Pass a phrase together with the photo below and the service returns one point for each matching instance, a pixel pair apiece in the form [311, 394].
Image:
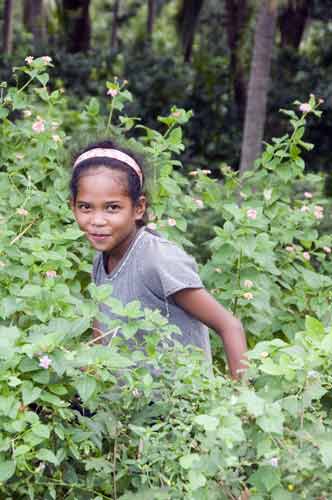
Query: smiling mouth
[98, 236]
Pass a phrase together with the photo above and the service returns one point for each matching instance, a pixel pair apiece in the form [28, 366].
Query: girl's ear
[140, 208]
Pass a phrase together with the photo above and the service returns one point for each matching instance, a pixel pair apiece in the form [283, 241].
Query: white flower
[199, 203]
[305, 107]
[47, 60]
[327, 249]
[22, 211]
[248, 296]
[171, 222]
[267, 194]
[29, 59]
[307, 195]
[248, 284]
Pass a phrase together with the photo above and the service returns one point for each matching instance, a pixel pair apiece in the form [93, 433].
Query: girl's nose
[98, 219]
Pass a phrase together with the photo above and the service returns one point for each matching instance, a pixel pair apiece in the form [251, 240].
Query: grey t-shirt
[151, 271]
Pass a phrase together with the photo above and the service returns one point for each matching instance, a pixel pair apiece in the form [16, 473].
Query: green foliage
[80, 420]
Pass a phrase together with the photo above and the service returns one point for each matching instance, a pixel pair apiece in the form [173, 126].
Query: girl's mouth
[99, 237]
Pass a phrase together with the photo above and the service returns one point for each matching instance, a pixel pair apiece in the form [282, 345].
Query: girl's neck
[116, 255]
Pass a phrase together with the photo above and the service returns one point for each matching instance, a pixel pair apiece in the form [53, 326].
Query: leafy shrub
[85, 421]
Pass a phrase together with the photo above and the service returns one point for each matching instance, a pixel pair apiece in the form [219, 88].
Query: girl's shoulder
[166, 266]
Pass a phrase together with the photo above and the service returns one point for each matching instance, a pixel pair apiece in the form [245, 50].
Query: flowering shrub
[85, 421]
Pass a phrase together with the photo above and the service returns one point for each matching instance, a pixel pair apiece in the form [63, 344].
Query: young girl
[109, 204]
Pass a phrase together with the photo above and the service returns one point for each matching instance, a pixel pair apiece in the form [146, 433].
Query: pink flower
[38, 126]
[304, 208]
[306, 255]
[112, 92]
[176, 114]
[274, 461]
[193, 173]
[248, 295]
[305, 107]
[152, 226]
[51, 274]
[307, 194]
[251, 213]
[319, 212]
[45, 362]
[199, 203]
[248, 284]
[290, 248]
[327, 249]
[47, 59]
[171, 222]
[22, 211]
[29, 59]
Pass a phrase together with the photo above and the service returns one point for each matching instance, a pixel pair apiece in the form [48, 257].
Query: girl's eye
[112, 208]
[84, 207]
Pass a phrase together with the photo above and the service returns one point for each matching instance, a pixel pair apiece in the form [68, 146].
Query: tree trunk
[258, 84]
[151, 17]
[292, 22]
[77, 24]
[8, 27]
[187, 21]
[238, 14]
[34, 20]
[114, 37]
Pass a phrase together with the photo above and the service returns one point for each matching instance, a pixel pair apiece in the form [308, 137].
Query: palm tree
[258, 84]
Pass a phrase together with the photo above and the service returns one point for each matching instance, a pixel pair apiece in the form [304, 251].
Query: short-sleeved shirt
[151, 271]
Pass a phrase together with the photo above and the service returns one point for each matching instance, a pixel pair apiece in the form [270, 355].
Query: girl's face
[105, 212]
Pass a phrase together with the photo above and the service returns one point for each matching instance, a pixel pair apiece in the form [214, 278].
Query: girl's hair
[135, 187]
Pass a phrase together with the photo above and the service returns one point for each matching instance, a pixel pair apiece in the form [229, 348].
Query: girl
[109, 204]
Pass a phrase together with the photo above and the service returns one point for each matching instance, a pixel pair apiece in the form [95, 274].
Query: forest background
[199, 55]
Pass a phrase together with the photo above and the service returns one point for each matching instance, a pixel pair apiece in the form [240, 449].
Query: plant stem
[24, 86]
[23, 232]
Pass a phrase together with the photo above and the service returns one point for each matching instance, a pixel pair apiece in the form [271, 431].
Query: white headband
[113, 154]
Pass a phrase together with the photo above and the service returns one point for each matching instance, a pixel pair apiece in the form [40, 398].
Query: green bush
[85, 421]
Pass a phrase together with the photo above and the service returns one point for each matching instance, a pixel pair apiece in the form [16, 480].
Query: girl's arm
[201, 305]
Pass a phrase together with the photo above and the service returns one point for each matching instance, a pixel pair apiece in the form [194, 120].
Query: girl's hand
[201, 305]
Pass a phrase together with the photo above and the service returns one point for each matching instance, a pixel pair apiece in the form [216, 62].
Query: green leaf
[30, 392]
[209, 423]
[86, 387]
[47, 456]
[188, 461]
[197, 479]
[7, 470]
[255, 405]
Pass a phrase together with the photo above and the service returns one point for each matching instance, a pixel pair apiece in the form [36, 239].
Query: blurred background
[235, 63]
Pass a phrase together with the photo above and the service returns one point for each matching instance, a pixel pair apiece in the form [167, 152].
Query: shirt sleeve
[169, 269]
